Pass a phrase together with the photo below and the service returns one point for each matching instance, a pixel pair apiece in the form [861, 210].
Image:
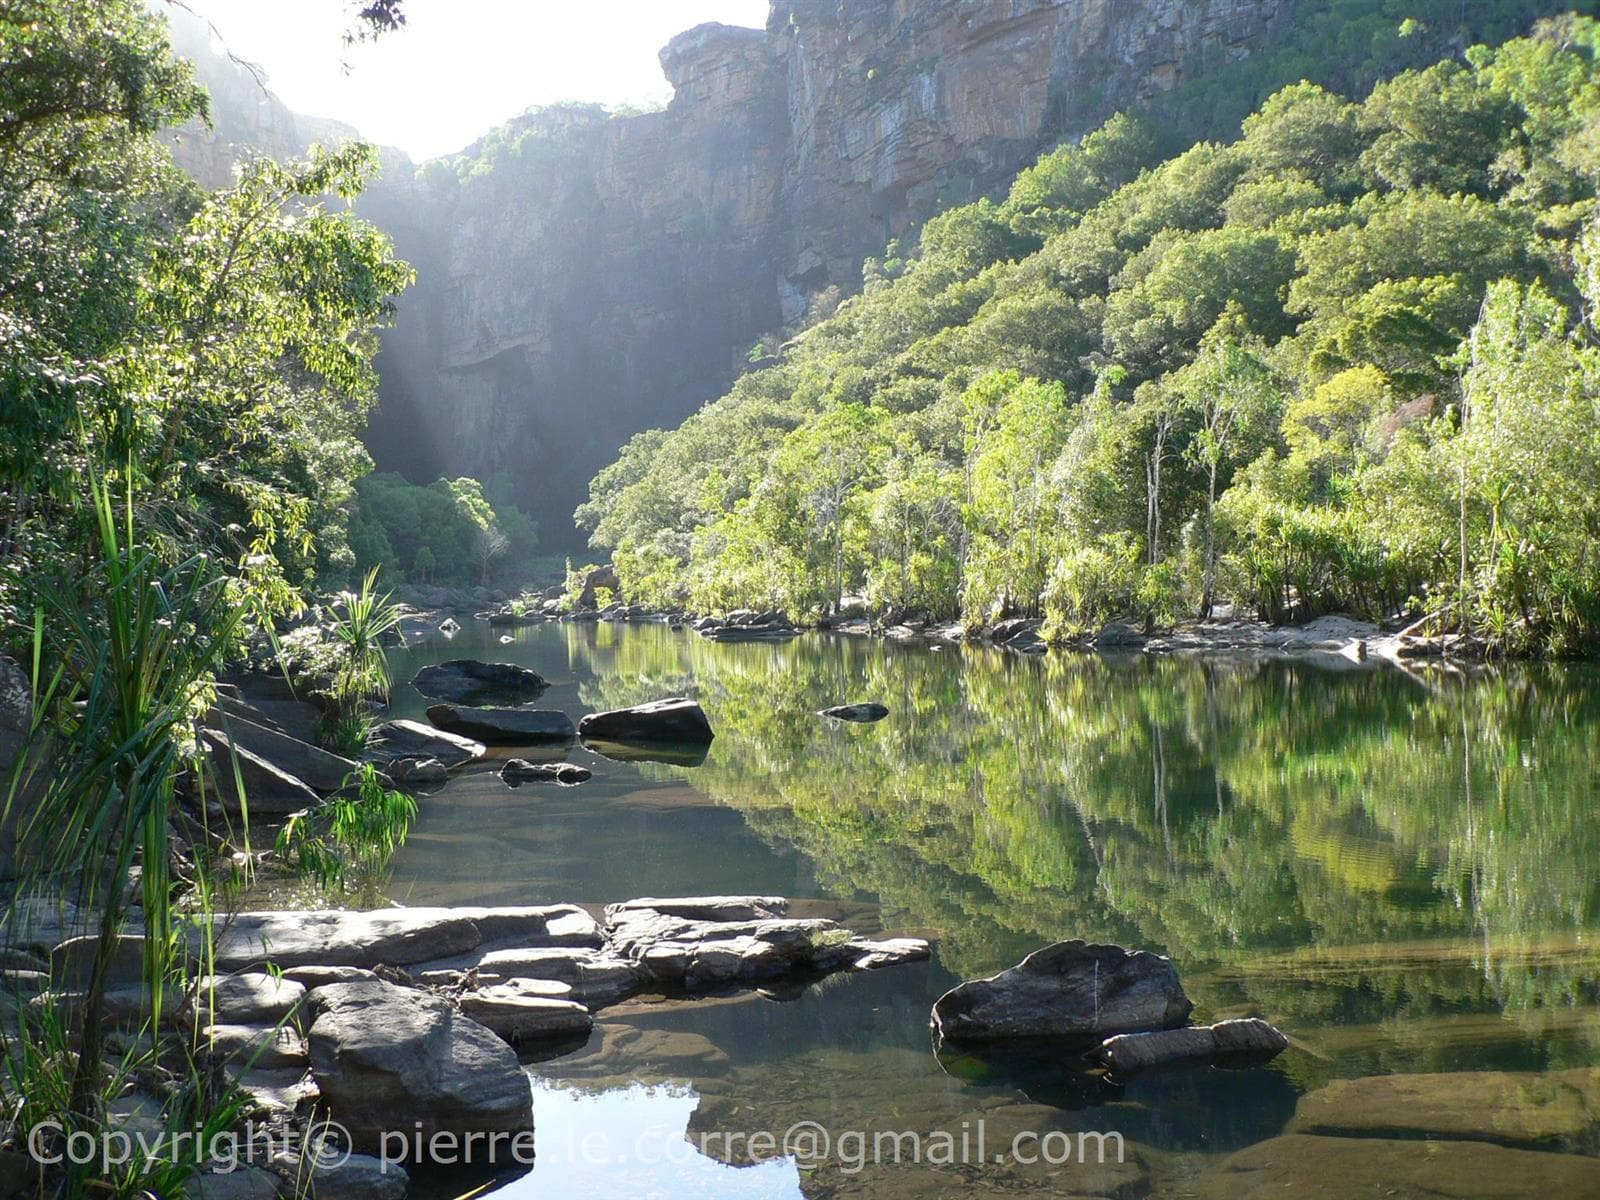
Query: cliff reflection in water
[1331, 848]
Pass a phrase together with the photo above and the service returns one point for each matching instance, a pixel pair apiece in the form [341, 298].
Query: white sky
[460, 67]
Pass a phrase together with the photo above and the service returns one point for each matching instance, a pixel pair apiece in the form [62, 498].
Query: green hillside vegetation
[1340, 363]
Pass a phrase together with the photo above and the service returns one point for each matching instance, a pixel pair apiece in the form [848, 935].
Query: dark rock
[1247, 1041]
[520, 1018]
[750, 633]
[862, 714]
[504, 726]
[312, 765]
[677, 720]
[249, 998]
[519, 771]
[16, 697]
[1119, 635]
[387, 1057]
[269, 791]
[419, 772]
[1072, 989]
[412, 739]
[468, 681]
[72, 962]
[338, 1176]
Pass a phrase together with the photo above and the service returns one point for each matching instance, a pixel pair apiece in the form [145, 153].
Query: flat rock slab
[256, 1047]
[312, 765]
[269, 790]
[1072, 989]
[1307, 1167]
[596, 977]
[678, 720]
[702, 942]
[468, 681]
[504, 726]
[72, 962]
[250, 998]
[1535, 1110]
[413, 739]
[396, 936]
[519, 1018]
[383, 1054]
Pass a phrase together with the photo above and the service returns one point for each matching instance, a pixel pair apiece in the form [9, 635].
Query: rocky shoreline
[418, 1020]
[1334, 641]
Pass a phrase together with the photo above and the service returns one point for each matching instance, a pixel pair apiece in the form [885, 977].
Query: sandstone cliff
[582, 277]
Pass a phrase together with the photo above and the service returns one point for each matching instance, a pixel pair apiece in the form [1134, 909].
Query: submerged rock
[468, 681]
[1307, 1167]
[678, 720]
[519, 771]
[672, 755]
[387, 1057]
[503, 726]
[1228, 1043]
[862, 714]
[1072, 989]
[1535, 1110]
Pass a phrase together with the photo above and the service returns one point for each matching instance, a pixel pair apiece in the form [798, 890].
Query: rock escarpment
[583, 276]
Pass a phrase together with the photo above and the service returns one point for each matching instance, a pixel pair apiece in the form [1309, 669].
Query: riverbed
[1397, 869]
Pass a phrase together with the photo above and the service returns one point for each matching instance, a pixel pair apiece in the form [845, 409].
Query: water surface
[1397, 869]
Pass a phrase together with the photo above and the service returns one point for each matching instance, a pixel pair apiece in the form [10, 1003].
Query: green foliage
[345, 846]
[1139, 385]
[447, 532]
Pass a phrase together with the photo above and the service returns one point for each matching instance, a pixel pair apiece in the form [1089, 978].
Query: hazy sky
[461, 67]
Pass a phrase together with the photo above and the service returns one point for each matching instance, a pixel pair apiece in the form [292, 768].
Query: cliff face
[593, 276]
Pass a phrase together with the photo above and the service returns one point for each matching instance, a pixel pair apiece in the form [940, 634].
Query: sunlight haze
[460, 67]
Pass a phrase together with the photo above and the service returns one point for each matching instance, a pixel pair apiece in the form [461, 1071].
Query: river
[1398, 870]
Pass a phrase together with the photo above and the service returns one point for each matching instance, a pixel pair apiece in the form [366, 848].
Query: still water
[1399, 870]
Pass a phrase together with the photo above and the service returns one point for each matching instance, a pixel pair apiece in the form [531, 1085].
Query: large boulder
[1073, 989]
[413, 739]
[269, 791]
[504, 726]
[395, 936]
[388, 1058]
[679, 720]
[468, 681]
[310, 764]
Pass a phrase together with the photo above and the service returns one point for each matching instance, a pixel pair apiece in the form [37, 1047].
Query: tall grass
[347, 844]
[132, 641]
[359, 667]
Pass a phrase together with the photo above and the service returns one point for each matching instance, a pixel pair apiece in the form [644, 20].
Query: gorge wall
[584, 276]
